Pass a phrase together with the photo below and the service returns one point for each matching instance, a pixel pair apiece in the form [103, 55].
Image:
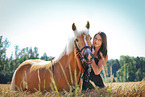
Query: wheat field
[126, 89]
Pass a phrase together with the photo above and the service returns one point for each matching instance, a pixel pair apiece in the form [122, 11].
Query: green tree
[4, 44]
[25, 54]
[9, 65]
[132, 69]
[115, 66]
[46, 58]
[125, 62]
[140, 65]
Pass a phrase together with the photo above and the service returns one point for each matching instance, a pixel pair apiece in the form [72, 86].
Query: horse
[63, 72]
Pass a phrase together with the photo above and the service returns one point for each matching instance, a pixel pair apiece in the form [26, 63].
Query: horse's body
[34, 75]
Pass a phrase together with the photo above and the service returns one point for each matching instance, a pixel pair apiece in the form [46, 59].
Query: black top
[94, 78]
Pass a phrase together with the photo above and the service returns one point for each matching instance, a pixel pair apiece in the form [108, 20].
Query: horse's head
[83, 44]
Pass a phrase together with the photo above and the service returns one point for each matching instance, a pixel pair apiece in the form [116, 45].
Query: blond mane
[69, 46]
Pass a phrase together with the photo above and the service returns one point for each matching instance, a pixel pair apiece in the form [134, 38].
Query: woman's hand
[93, 51]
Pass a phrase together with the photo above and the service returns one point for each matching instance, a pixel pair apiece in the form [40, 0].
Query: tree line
[9, 65]
[125, 69]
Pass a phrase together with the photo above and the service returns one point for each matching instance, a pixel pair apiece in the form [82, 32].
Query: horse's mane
[69, 46]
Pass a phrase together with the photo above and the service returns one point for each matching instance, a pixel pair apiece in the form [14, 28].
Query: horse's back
[26, 72]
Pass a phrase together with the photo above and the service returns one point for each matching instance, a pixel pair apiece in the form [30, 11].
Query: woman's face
[97, 41]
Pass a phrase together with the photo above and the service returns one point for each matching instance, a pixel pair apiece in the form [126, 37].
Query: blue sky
[46, 24]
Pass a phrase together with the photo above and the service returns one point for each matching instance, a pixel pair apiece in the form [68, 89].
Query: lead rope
[88, 73]
[89, 65]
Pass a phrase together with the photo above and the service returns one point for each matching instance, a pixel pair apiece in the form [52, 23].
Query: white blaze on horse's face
[83, 36]
[85, 40]
[83, 43]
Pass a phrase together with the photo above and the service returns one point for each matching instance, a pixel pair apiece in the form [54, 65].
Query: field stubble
[126, 89]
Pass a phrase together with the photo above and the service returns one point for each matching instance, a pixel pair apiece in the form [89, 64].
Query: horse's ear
[73, 27]
[88, 25]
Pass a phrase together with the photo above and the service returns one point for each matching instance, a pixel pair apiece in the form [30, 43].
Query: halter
[80, 51]
[82, 57]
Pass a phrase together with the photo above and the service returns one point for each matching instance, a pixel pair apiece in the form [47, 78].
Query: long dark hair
[103, 48]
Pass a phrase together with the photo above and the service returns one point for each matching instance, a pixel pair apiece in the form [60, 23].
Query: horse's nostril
[89, 57]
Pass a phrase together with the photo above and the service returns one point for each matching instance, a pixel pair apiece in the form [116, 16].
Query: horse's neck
[68, 60]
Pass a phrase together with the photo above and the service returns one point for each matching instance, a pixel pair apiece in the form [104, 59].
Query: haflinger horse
[60, 74]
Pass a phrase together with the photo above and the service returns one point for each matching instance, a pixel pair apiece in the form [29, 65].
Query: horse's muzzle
[88, 56]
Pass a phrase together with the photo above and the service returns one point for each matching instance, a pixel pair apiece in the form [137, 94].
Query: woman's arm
[98, 68]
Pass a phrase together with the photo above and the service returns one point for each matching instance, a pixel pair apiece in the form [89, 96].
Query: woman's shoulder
[105, 58]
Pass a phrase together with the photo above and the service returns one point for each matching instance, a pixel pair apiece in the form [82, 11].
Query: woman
[99, 49]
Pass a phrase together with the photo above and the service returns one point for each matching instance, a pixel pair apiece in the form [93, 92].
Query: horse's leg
[19, 77]
[13, 82]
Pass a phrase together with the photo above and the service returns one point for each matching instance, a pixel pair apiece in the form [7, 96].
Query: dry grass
[127, 89]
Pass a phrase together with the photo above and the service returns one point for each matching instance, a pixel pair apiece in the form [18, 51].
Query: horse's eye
[90, 38]
[77, 40]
